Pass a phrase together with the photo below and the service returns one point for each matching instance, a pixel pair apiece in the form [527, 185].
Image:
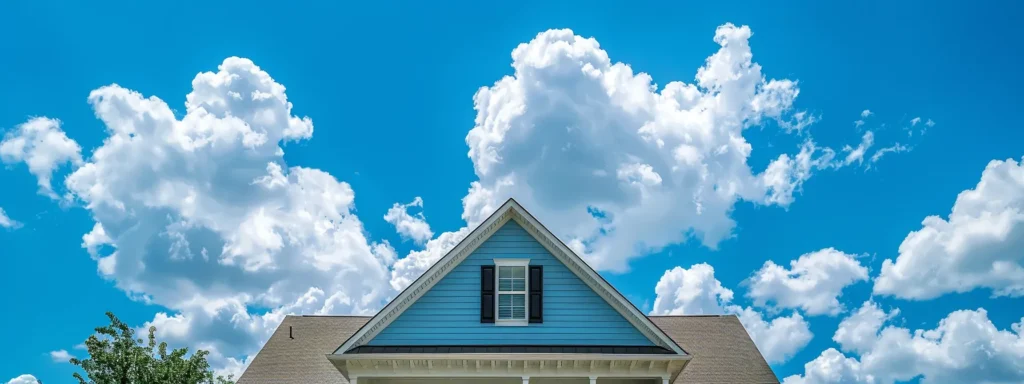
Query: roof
[582, 349]
[510, 210]
[721, 348]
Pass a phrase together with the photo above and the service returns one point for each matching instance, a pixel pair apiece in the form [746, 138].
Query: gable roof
[723, 352]
[510, 210]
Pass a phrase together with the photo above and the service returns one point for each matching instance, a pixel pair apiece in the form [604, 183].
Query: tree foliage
[117, 357]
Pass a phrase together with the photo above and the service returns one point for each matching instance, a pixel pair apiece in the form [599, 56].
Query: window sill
[512, 323]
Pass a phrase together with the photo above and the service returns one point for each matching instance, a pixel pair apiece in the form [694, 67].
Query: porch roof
[721, 350]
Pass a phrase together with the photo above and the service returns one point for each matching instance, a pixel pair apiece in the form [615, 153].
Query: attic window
[512, 291]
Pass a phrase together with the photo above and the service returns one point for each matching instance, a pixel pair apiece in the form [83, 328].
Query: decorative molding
[452, 366]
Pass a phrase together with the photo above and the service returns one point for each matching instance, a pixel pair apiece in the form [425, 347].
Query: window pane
[512, 307]
[519, 272]
[504, 284]
[505, 313]
[518, 284]
[505, 300]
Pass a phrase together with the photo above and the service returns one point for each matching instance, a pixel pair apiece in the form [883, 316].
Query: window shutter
[486, 293]
[537, 294]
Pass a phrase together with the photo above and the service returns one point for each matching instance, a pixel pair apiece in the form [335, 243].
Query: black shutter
[486, 293]
[536, 294]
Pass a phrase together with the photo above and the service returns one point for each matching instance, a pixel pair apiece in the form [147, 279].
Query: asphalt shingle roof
[723, 352]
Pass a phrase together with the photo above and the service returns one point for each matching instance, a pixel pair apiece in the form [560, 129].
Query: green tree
[117, 357]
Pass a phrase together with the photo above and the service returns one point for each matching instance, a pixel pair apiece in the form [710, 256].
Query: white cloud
[414, 227]
[863, 115]
[858, 332]
[201, 215]
[831, 367]
[615, 165]
[895, 148]
[410, 267]
[6, 221]
[965, 348]
[696, 291]
[930, 123]
[813, 283]
[857, 154]
[778, 339]
[60, 356]
[915, 121]
[978, 246]
[42, 145]
[693, 291]
[24, 379]
[572, 133]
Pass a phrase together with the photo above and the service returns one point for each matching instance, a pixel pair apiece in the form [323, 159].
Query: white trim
[511, 210]
[525, 264]
[503, 262]
[509, 365]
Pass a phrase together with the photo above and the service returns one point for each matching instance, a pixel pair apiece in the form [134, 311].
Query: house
[509, 304]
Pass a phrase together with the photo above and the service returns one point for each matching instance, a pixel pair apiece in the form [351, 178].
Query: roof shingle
[722, 351]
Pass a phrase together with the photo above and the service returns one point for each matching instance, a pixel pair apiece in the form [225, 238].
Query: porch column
[593, 379]
[664, 380]
[526, 379]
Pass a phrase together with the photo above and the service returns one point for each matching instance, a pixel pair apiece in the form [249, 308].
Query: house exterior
[509, 304]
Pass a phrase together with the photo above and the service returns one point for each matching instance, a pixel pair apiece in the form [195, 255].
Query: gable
[510, 210]
[449, 313]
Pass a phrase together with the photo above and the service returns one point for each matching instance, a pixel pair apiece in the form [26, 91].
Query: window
[512, 291]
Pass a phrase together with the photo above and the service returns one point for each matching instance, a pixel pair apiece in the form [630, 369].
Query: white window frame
[525, 263]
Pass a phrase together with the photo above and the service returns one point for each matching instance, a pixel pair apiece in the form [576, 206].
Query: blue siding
[449, 314]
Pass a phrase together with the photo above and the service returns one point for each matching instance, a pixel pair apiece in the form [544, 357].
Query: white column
[664, 380]
[526, 379]
[593, 379]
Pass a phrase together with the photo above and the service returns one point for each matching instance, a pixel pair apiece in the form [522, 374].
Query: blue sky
[390, 90]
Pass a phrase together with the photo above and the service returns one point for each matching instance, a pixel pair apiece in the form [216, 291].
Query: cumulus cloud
[965, 348]
[978, 246]
[618, 166]
[813, 283]
[6, 221]
[693, 291]
[60, 356]
[24, 379]
[915, 121]
[201, 215]
[858, 332]
[413, 227]
[696, 291]
[42, 145]
[597, 150]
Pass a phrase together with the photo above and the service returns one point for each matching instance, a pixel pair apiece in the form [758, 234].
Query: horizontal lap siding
[449, 314]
